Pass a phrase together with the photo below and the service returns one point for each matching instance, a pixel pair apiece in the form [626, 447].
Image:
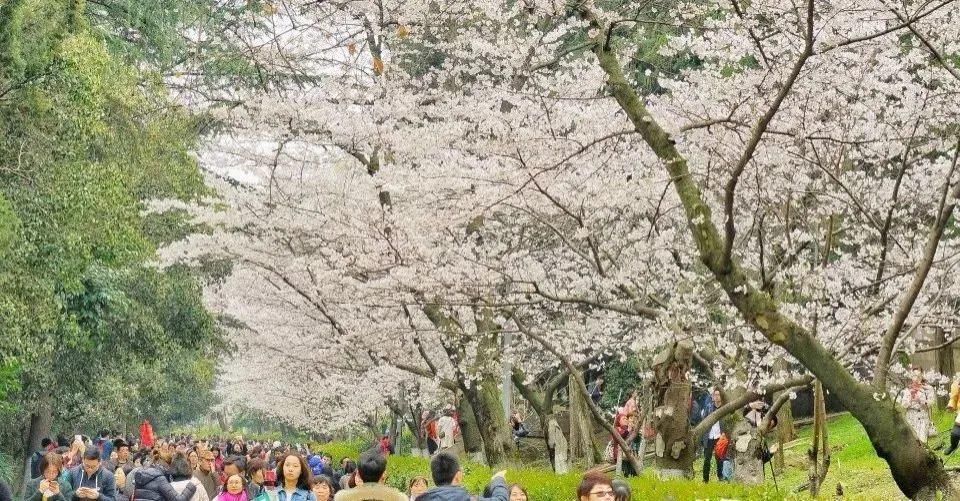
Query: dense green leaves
[92, 331]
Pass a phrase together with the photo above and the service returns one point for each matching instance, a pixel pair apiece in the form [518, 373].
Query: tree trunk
[745, 444]
[484, 397]
[40, 422]
[917, 471]
[581, 428]
[671, 415]
[671, 419]
[469, 430]
[394, 430]
[223, 421]
[819, 452]
[944, 361]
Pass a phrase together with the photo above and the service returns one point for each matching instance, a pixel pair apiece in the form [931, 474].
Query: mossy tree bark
[918, 472]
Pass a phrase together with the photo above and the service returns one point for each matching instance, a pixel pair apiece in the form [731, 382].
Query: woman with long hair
[73, 458]
[293, 479]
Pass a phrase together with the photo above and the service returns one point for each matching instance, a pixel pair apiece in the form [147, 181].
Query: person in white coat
[447, 429]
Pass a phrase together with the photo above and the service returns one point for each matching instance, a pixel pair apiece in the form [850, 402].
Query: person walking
[153, 483]
[205, 474]
[181, 475]
[447, 428]
[430, 430]
[954, 405]
[322, 488]
[256, 478]
[37, 456]
[293, 478]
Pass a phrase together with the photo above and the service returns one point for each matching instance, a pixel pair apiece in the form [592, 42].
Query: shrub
[544, 485]
[340, 450]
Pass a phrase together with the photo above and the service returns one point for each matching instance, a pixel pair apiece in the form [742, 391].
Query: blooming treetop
[408, 157]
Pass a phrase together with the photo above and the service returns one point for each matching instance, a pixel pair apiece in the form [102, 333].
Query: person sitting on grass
[448, 477]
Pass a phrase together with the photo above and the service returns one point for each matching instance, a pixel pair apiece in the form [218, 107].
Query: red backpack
[720, 450]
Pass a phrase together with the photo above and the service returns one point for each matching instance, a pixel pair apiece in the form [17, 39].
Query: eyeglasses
[602, 494]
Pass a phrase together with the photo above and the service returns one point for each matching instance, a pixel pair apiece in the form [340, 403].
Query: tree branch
[909, 297]
[737, 404]
[584, 392]
[757, 135]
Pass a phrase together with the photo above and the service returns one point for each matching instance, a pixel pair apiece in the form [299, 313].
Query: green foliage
[167, 227]
[340, 450]
[6, 468]
[620, 379]
[89, 327]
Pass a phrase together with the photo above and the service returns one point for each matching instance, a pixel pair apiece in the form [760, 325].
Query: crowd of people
[187, 469]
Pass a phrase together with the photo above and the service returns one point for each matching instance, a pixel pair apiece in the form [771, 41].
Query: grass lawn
[854, 464]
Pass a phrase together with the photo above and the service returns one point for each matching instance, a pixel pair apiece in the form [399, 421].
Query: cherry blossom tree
[412, 178]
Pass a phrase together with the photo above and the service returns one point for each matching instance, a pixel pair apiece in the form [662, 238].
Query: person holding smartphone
[49, 486]
[90, 481]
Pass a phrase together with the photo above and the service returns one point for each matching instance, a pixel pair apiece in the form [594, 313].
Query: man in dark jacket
[90, 481]
[448, 476]
[153, 484]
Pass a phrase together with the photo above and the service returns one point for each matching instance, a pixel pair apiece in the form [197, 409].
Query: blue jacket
[497, 487]
[707, 407]
[298, 495]
[103, 480]
[316, 465]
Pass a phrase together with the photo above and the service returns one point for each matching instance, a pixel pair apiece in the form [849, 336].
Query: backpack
[720, 449]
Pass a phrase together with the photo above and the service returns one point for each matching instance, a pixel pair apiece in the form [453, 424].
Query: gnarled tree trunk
[918, 472]
[581, 428]
[671, 414]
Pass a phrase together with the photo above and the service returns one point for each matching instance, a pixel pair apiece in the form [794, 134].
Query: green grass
[854, 464]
